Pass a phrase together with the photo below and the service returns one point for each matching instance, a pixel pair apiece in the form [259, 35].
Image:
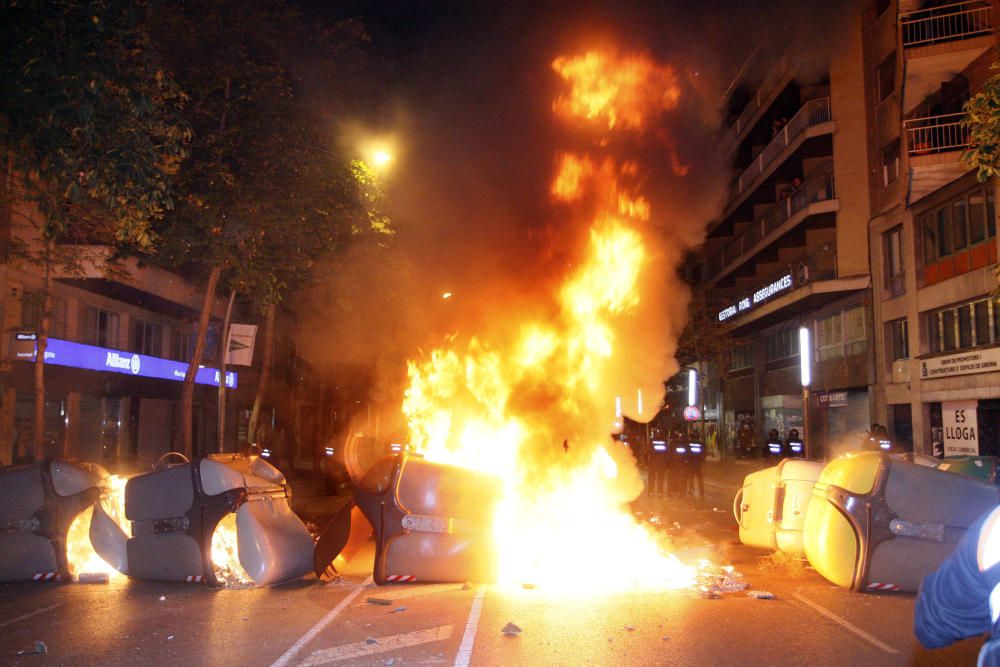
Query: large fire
[534, 409]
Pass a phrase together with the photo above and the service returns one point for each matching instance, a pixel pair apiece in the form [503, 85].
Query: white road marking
[382, 645]
[29, 615]
[853, 628]
[464, 657]
[323, 622]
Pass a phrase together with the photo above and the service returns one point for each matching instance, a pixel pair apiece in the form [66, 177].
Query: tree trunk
[187, 394]
[40, 345]
[223, 351]
[265, 374]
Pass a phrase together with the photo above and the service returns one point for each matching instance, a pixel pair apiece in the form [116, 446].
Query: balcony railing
[818, 187]
[812, 113]
[936, 134]
[946, 22]
[760, 97]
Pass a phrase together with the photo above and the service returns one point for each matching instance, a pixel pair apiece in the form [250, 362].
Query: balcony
[808, 122]
[816, 195]
[936, 134]
[934, 144]
[945, 23]
[941, 42]
[796, 289]
[777, 77]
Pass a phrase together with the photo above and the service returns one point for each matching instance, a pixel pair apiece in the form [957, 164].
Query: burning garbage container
[38, 504]
[223, 519]
[770, 508]
[432, 522]
[876, 522]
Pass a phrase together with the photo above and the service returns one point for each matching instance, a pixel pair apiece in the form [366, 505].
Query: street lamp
[805, 374]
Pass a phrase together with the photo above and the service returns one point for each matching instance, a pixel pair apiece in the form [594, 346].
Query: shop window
[964, 222]
[963, 326]
[741, 357]
[892, 245]
[100, 327]
[147, 338]
[899, 339]
[783, 345]
[31, 313]
[855, 335]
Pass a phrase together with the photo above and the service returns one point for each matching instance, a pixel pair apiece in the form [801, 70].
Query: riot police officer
[773, 447]
[656, 465]
[696, 460]
[794, 447]
[677, 468]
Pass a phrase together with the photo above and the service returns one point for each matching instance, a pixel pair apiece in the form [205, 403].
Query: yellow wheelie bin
[878, 523]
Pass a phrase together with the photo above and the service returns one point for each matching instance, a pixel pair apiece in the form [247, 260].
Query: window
[855, 336]
[100, 327]
[180, 346]
[892, 244]
[741, 357]
[841, 334]
[887, 76]
[890, 163]
[147, 338]
[31, 314]
[829, 337]
[899, 339]
[783, 345]
[966, 221]
[963, 326]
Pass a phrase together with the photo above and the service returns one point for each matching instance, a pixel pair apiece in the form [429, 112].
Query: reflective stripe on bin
[47, 576]
[195, 579]
[399, 578]
[875, 586]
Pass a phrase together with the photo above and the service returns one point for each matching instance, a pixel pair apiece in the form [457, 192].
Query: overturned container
[981, 467]
[223, 519]
[878, 523]
[432, 522]
[770, 508]
[38, 504]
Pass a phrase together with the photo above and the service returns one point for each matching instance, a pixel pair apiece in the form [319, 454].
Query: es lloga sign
[961, 428]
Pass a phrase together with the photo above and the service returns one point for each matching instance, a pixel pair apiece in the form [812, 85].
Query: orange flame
[226, 555]
[508, 407]
[80, 553]
[619, 91]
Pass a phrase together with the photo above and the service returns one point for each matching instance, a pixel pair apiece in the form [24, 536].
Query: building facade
[852, 217]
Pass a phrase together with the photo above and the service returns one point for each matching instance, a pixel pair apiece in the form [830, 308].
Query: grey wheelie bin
[432, 522]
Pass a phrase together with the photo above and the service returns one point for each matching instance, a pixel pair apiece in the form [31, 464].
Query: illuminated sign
[692, 413]
[90, 357]
[763, 294]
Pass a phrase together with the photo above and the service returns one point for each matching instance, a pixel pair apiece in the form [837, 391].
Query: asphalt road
[809, 621]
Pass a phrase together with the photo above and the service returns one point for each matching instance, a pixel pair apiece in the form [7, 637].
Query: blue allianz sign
[77, 355]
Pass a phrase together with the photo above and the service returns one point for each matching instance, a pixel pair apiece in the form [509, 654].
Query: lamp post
[805, 367]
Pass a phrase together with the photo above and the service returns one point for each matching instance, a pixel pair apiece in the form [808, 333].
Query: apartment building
[790, 249]
[933, 227]
[851, 217]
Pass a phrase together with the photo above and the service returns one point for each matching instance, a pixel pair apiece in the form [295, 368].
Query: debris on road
[371, 640]
[40, 648]
[398, 609]
[163, 598]
[511, 630]
[528, 587]
[630, 628]
[382, 601]
[93, 578]
[390, 662]
[760, 595]
[466, 586]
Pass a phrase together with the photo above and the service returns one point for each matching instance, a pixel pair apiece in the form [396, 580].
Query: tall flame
[80, 553]
[532, 410]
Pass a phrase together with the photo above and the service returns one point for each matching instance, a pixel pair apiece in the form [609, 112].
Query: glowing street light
[381, 157]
